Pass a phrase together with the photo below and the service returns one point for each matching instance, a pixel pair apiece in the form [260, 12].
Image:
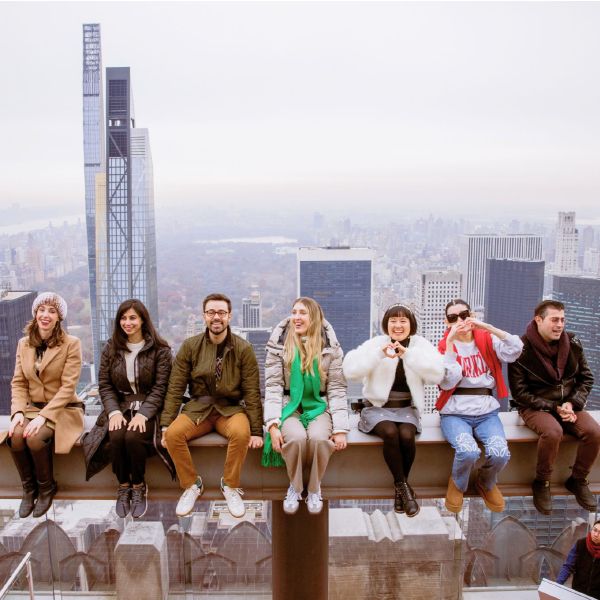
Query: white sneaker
[186, 503]
[235, 504]
[314, 502]
[292, 501]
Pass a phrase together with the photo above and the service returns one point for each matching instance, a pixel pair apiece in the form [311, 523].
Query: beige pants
[310, 447]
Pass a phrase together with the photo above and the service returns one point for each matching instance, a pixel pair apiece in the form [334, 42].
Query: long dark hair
[119, 337]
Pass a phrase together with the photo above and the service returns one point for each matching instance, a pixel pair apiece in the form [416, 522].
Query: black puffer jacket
[153, 368]
[532, 387]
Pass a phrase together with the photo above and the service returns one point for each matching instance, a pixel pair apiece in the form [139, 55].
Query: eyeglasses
[463, 316]
[211, 313]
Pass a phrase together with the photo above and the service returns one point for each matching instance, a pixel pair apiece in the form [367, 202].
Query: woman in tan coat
[44, 405]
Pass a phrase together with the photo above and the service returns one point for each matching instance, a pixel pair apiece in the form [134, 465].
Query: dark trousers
[129, 451]
[550, 428]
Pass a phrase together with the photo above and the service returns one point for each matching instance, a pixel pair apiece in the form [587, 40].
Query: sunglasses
[463, 316]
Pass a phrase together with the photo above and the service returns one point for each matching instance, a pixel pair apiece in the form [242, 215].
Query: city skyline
[428, 109]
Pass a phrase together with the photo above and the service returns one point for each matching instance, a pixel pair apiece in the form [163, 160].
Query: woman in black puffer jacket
[132, 380]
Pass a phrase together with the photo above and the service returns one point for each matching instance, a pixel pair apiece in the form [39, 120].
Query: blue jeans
[461, 431]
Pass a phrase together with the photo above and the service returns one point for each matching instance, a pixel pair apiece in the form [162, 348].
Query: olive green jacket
[195, 366]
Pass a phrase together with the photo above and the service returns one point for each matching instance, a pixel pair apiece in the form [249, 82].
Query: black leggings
[398, 447]
[33, 442]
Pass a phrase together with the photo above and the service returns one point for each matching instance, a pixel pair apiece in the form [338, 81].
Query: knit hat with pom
[53, 300]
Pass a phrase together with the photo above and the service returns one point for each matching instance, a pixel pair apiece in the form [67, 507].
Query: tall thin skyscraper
[126, 232]
[252, 311]
[581, 297]
[567, 245]
[435, 288]
[476, 248]
[341, 281]
[15, 312]
[93, 154]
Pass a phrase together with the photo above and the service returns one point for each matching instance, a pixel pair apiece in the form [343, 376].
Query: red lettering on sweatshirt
[472, 366]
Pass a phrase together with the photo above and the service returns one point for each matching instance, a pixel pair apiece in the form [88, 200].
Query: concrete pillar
[141, 565]
[300, 553]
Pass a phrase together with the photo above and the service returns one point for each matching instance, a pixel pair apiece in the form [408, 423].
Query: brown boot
[454, 497]
[493, 498]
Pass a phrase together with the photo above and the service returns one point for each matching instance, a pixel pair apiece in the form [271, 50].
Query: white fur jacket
[422, 364]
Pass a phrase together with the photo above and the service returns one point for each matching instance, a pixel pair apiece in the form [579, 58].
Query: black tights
[33, 442]
[398, 447]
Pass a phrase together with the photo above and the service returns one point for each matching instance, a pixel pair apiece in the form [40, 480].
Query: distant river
[250, 240]
[39, 224]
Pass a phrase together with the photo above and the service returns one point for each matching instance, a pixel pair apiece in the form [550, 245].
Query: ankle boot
[24, 464]
[411, 508]
[398, 500]
[542, 499]
[47, 487]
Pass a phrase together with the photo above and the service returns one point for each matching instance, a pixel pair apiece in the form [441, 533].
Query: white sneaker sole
[291, 512]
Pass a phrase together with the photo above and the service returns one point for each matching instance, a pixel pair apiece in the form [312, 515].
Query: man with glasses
[221, 371]
[550, 383]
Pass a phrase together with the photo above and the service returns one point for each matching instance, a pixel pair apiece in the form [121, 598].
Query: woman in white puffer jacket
[394, 369]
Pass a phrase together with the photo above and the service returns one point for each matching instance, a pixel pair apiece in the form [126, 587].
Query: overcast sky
[423, 106]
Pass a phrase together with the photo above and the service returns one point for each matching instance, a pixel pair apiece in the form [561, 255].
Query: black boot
[584, 497]
[411, 508]
[398, 501]
[542, 499]
[24, 464]
[42, 459]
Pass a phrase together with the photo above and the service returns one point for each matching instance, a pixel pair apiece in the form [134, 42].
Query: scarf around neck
[483, 341]
[593, 549]
[312, 404]
[553, 356]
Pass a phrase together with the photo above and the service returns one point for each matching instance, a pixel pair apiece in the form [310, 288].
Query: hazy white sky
[427, 105]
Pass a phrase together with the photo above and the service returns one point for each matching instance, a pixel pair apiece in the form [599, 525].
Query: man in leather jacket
[550, 383]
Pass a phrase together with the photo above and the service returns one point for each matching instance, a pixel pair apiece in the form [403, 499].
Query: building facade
[567, 245]
[475, 249]
[15, 312]
[252, 311]
[93, 153]
[581, 297]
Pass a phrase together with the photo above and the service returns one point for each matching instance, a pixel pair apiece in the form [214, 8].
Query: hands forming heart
[393, 349]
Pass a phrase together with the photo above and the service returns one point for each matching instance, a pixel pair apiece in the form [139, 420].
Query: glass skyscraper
[341, 281]
[93, 154]
[581, 297]
[119, 195]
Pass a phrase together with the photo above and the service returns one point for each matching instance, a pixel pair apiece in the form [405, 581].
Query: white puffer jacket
[422, 364]
[277, 378]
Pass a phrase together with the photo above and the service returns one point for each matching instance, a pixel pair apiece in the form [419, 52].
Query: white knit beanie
[52, 299]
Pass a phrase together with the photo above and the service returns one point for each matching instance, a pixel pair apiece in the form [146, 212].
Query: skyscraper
[435, 288]
[252, 311]
[15, 312]
[581, 297]
[119, 188]
[476, 248]
[565, 262]
[513, 288]
[93, 153]
[341, 281]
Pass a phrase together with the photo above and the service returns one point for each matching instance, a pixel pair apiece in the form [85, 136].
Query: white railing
[24, 564]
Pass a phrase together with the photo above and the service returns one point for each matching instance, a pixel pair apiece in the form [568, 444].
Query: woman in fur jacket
[394, 369]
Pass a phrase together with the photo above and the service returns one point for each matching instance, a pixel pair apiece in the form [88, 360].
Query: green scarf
[312, 404]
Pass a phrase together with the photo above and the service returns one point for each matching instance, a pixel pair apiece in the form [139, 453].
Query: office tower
[341, 281]
[581, 297]
[258, 337]
[565, 262]
[93, 154]
[252, 311]
[476, 248]
[127, 244]
[513, 288]
[435, 288]
[15, 312]
[591, 260]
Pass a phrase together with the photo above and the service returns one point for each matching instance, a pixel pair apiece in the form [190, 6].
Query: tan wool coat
[55, 386]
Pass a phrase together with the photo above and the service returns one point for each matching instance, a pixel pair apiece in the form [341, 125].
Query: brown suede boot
[454, 497]
[493, 498]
